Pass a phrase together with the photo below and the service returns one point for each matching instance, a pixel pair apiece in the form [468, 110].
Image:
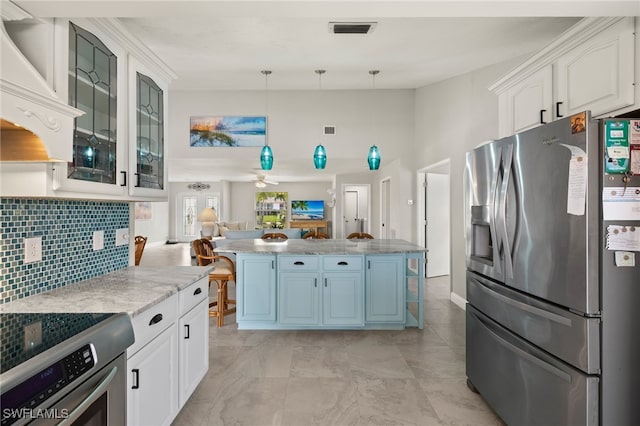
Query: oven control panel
[33, 391]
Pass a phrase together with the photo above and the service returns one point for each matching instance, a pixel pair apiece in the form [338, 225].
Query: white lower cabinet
[170, 356]
[193, 333]
[152, 382]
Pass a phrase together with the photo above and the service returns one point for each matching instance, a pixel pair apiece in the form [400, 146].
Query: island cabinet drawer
[193, 294]
[153, 321]
[298, 263]
[342, 263]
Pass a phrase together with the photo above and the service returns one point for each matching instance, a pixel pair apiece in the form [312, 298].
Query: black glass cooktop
[23, 336]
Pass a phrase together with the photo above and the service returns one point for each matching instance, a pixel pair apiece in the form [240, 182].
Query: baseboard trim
[459, 301]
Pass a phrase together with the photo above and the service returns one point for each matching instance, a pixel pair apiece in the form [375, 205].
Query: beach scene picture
[307, 210]
[225, 131]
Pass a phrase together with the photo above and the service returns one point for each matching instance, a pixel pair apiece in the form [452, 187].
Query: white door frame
[385, 209]
[443, 167]
[367, 188]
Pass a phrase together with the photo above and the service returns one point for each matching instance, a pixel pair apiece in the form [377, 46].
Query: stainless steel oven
[69, 371]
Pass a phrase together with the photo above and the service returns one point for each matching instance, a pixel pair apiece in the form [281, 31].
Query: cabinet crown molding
[574, 36]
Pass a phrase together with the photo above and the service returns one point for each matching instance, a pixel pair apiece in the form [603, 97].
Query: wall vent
[329, 130]
[352, 27]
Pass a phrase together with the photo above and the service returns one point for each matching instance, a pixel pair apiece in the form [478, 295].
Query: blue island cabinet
[256, 288]
[320, 291]
[385, 289]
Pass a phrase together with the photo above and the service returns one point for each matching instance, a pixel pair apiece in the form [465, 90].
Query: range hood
[37, 126]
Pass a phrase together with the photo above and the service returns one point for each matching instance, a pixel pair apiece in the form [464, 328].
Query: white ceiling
[224, 44]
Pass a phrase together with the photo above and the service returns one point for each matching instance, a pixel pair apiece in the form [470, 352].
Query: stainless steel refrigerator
[552, 222]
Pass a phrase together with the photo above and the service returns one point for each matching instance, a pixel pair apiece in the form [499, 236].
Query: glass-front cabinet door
[150, 134]
[148, 94]
[91, 75]
[93, 83]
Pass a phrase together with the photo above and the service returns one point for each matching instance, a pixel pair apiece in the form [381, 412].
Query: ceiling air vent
[329, 130]
[352, 27]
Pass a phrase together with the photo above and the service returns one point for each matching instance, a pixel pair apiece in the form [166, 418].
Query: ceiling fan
[261, 181]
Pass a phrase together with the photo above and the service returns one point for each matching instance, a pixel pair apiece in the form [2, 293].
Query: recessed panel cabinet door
[256, 287]
[527, 104]
[152, 381]
[385, 289]
[193, 335]
[342, 295]
[299, 298]
[598, 74]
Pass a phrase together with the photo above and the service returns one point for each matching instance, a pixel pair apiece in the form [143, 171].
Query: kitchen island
[327, 284]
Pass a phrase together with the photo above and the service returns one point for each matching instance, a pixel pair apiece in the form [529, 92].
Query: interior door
[351, 212]
[437, 224]
[189, 205]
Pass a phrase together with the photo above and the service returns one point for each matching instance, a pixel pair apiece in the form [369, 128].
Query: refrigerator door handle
[502, 211]
[524, 354]
[523, 306]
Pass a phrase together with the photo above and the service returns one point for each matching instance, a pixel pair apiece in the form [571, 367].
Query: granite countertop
[312, 246]
[131, 290]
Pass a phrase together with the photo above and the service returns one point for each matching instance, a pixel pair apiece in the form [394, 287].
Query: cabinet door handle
[137, 180]
[542, 111]
[343, 263]
[124, 173]
[558, 115]
[136, 378]
[197, 292]
[315, 282]
[156, 319]
[325, 282]
[273, 264]
[186, 329]
[298, 262]
[368, 264]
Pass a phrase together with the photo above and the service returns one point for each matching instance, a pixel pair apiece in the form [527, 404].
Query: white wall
[157, 228]
[361, 117]
[452, 117]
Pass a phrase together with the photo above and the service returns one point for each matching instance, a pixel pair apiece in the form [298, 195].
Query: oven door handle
[93, 396]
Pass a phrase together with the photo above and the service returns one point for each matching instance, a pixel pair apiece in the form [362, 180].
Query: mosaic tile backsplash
[66, 228]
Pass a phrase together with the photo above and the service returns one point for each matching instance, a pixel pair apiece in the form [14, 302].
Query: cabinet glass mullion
[92, 89]
[150, 133]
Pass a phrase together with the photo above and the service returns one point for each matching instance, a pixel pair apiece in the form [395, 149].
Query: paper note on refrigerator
[620, 203]
[623, 238]
[577, 185]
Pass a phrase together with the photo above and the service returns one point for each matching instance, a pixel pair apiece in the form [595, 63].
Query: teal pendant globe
[320, 157]
[373, 158]
[266, 158]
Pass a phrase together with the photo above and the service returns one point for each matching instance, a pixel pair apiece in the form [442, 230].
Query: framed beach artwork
[143, 210]
[228, 131]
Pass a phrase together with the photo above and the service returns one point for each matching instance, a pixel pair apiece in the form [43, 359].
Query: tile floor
[299, 378]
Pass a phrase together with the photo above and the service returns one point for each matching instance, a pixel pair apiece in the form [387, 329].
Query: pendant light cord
[266, 74]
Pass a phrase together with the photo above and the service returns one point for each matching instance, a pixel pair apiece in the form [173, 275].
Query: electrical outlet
[32, 249]
[122, 237]
[32, 335]
[98, 240]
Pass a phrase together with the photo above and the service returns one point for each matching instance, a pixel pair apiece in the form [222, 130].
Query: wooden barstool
[315, 235]
[359, 236]
[140, 242]
[223, 272]
[274, 236]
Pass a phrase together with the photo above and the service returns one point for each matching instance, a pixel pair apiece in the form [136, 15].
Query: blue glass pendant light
[320, 154]
[320, 157]
[373, 158]
[266, 155]
[266, 158]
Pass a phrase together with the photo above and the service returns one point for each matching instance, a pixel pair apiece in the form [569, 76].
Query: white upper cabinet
[118, 144]
[589, 67]
[598, 74]
[526, 104]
